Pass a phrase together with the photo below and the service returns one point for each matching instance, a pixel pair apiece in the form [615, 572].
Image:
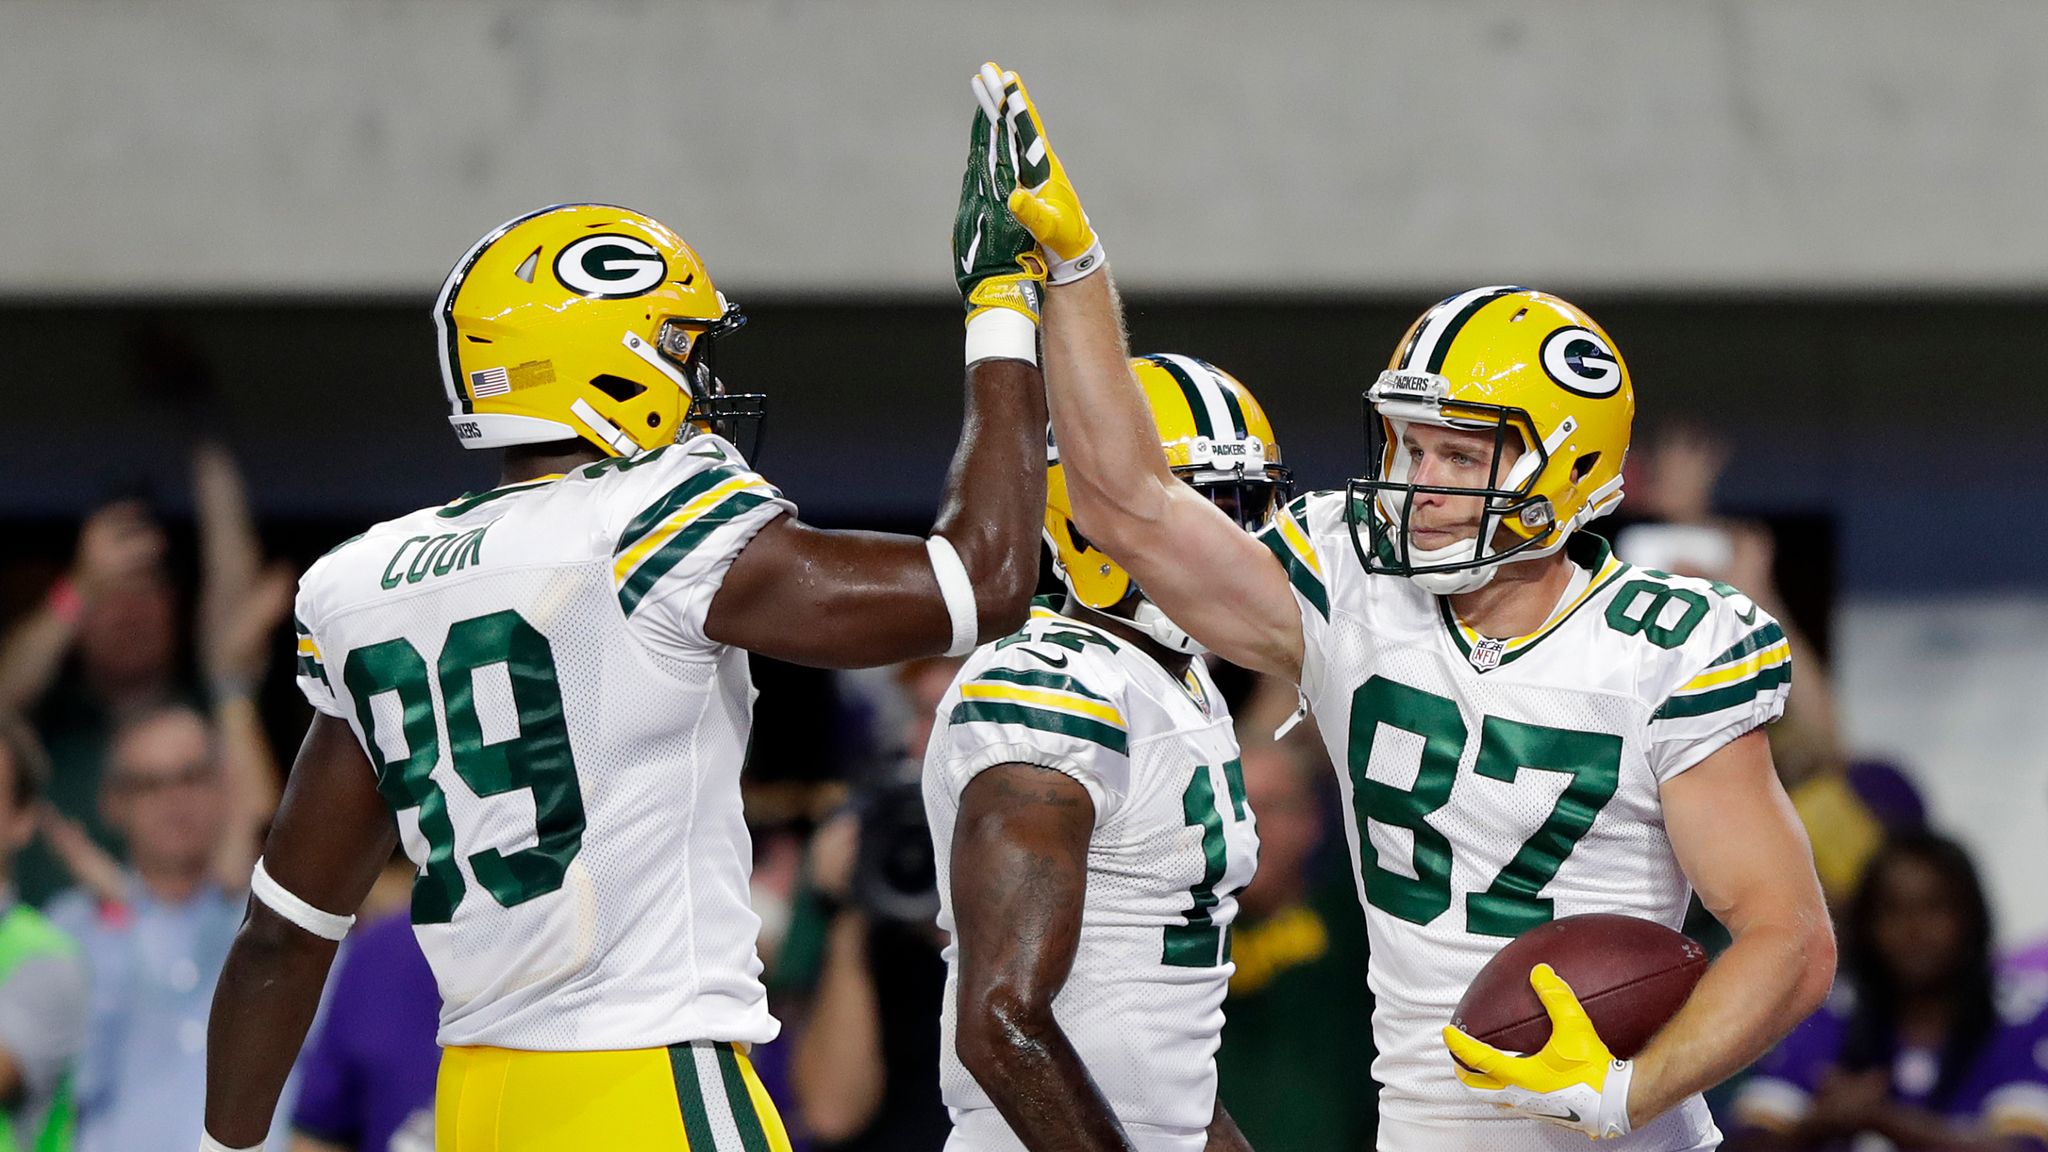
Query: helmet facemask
[689, 346]
[1384, 499]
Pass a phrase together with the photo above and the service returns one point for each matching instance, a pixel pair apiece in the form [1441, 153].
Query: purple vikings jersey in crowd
[369, 1072]
[2004, 1090]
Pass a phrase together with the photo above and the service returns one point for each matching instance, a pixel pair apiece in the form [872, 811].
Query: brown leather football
[1631, 975]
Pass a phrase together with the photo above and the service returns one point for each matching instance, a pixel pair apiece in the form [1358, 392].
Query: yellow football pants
[701, 1097]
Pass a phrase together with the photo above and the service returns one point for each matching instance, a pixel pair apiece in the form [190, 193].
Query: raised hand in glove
[1044, 200]
[996, 261]
[1574, 1081]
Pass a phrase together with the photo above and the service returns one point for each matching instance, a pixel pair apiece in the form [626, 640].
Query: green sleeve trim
[1034, 679]
[1756, 641]
[651, 516]
[1303, 578]
[1058, 723]
[652, 569]
[1727, 696]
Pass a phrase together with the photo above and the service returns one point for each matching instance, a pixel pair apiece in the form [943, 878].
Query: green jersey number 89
[536, 760]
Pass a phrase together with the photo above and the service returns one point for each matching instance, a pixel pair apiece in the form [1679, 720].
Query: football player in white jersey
[1089, 822]
[547, 685]
[1524, 726]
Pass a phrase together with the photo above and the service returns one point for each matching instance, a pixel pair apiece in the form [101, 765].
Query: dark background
[1907, 422]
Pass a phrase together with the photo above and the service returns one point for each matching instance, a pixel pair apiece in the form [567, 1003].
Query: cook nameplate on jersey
[560, 743]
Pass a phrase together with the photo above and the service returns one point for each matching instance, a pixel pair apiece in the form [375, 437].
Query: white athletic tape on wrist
[1079, 268]
[958, 591]
[1001, 334]
[325, 925]
[208, 1144]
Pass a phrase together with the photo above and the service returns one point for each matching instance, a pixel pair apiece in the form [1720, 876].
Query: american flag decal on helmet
[489, 382]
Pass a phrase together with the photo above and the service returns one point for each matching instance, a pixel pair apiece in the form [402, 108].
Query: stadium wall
[321, 146]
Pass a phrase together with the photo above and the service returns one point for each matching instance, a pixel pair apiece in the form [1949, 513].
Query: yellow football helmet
[1523, 364]
[1216, 438]
[585, 320]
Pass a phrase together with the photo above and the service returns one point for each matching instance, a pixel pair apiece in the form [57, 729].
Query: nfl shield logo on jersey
[1486, 653]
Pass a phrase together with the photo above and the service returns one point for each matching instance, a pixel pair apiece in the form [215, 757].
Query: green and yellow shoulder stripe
[311, 664]
[665, 533]
[1759, 663]
[1288, 539]
[1043, 701]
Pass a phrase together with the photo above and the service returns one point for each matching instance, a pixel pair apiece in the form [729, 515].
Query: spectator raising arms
[103, 647]
[156, 944]
[42, 977]
[1919, 1051]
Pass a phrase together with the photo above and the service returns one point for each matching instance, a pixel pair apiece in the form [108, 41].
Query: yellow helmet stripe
[1440, 326]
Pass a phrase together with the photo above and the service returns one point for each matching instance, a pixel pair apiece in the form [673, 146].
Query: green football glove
[1044, 200]
[997, 264]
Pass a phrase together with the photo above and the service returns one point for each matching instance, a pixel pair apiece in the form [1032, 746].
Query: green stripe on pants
[682, 1062]
[743, 1115]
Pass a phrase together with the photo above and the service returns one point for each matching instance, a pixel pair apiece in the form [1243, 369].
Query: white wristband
[208, 1144]
[958, 591]
[1613, 1120]
[1068, 271]
[325, 925]
[1001, 334]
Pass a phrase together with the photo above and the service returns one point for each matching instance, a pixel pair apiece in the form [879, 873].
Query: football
[1631, 976]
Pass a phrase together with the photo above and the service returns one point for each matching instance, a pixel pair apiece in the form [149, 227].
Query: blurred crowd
[139, 776]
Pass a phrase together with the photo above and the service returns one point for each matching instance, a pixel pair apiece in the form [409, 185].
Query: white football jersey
[527, 670]
[1173, 842]
[1492, 786]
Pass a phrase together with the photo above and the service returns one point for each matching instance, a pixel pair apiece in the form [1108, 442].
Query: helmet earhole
[1583, 465]
[617, 387]
[653, 420]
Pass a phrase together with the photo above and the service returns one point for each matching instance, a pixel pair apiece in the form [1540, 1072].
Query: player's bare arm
[850, 599]
[332, 835]
[1020, 867]
[1742, 846]
[856, 599]
[1221, 586]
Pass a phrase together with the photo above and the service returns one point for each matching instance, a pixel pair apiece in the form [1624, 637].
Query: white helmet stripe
[444, 305]
[1442, 322]
[1211, 390]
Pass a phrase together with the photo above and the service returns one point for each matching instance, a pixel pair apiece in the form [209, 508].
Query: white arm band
[958, 591]
[208, 1144]
[1001, 334]
[325, 925]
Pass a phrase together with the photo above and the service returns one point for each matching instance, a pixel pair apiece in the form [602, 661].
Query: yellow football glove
[1574, 1081]
[996, 262]
[1044, 200]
